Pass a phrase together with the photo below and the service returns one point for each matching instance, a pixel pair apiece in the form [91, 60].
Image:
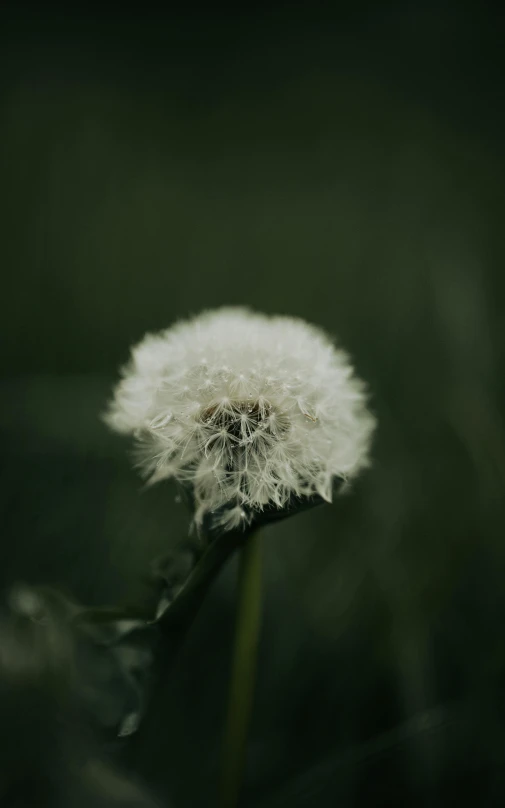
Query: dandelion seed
[272, 410]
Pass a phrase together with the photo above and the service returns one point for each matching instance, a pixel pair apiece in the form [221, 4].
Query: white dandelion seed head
[249, 410]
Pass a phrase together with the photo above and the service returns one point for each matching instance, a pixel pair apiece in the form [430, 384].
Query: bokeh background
[345, 167]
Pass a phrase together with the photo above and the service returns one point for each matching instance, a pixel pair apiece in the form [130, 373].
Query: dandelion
[246, 410]
[251, 413]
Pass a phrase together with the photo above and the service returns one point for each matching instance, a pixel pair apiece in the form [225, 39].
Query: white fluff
[247, 409]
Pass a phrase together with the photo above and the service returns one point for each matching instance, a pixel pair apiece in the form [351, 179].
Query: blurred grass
[350, 172]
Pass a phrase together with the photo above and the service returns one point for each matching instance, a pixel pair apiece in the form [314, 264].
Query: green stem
[243, 671]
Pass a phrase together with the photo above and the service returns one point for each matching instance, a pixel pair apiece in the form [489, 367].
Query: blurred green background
[347, 168]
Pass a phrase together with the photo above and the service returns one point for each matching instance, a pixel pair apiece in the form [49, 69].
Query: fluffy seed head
[248, 410]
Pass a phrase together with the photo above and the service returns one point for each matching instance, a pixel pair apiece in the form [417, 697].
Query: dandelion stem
[243, 671]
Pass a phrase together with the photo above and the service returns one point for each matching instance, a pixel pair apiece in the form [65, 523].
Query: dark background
[345, 167]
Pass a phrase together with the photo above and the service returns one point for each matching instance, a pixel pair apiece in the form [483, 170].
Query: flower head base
[246, 410]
